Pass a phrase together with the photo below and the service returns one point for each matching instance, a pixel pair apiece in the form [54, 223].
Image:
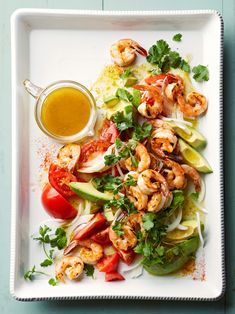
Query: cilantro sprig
[89, 270]
[123, 203]
[30, 274]
[177, 37]
[201, 73]
[117, 227]
[164, 58]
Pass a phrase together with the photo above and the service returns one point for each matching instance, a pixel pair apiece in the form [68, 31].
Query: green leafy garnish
[123, 94]
[148, 220]
[117, 227]
[164, 58]
[125, 74]
[156, 70]
[111, 159]
[136, 98]
[123, 120]
[141, 132]
[194, 196]
[89, 270]
[108, 183]
[201, 73]
[52, 281]
[30, 274]
[177, 37]
[123, 203]
[130, 181]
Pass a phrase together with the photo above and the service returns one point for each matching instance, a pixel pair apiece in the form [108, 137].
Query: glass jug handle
[32, 89]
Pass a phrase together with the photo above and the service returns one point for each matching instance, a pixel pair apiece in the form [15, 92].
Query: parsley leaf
[122, 202]
[141, 131]
[130, 181]
[111, 159]
[125, 74]
[30, 274]
[201, 73]
[177, 37]
[117, 227]
[89, 270]
[124, 94]
[108, 183]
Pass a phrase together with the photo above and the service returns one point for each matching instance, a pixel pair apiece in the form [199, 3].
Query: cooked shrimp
[123, 52]
[90, 252]
[143, 158]
[156, 202]
[156, 162]
[194, 175]
[138, 198]
[124, 242]
[151, 181]
[173, 90]
[68, 156]
[194, 105]
[174, 174]
[71, 266]
[151, 101]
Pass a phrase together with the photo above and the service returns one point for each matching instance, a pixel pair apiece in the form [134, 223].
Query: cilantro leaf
[142, 131]
[123, 121]
[46, 262]
[108, 183]
[52, 281]
[123, 203]
[201, 73]
[136, 98]
[30, 274]
[194, 196]
[125, 74]
[148, 221]
[124, 94]
[117, 227]
[111, 159]
[130, 181]
[184, 66]
[89, 270]
[177, 37]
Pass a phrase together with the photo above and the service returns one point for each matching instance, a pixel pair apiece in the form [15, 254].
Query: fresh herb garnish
[201, 73]
[111, 159]
[130, 181]
[125, 74]
[136, 101]
[124, 120]
[53, 281]
[117, 227]
[123, 203]
[108, 183]
[177, 37]
[194, 196]
[125, 150]
[123, 94]
[89, 270]
[156, 70]
[141, 132]
[165, 58]
[30, 274]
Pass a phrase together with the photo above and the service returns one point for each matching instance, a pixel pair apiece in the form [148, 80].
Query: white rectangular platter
[50, 45]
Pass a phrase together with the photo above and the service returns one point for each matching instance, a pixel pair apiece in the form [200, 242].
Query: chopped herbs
[123, 94]
[130, 181]
[141, 132]
[117, 227]
[164, 58]
[123, 203]
[177, 37]
[89, 270]
[201, 73]
[108, 183]
[111, 159]
[30, 274]
[52, 281]
[125, 74]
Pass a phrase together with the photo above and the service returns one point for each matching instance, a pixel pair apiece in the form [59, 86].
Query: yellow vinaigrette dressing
[65, 111]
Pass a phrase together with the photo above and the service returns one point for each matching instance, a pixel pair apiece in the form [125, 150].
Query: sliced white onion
[87, 208]
[199, 207]
[119, 170]
[97, 164]
[181, 227]
[176, 222]
[84, 219]
[177, 120]
[135, 271]
[113, 171]
[199, 228]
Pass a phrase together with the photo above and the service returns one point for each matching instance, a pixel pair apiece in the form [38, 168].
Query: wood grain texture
[7, 304]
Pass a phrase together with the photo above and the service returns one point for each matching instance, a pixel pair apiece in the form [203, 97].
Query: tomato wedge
[94, 225]
[60, 178]
[56, 205]
[127, 256]
[113, 276]
[91, 148]
[151, 80]
[108, 263]
[102, 237]
[109, 132]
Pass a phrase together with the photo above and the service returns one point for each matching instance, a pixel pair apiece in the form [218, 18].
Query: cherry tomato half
[94, 225]
[113, 276]
[56, 205]
[127, 256]
[102, 237]
[60, 178]
[108, 263]
[109, 132]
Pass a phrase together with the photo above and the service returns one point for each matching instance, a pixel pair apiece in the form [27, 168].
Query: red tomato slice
[60, 178]
[109, 132]
[92, 147]
[95, 224]
[102, 237]
[113, 276]
[56, 205]
[155, 78]
[127, 256]
[108, 263]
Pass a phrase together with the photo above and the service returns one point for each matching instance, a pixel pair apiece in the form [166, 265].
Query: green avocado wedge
[190, 135]
[174, 261]
[87, 191]
[194, 158]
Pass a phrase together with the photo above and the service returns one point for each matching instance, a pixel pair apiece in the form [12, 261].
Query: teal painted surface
[7, 304]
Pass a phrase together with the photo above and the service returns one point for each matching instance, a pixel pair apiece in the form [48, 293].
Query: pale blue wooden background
[225, 305]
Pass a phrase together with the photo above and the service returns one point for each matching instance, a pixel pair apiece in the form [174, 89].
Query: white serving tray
[50, 45]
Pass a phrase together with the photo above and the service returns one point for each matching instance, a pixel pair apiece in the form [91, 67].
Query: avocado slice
[174, 262]
[87, 191]
[111, 101]
[191, 136]
[194, 158]
[108, 214]
[130, 81]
